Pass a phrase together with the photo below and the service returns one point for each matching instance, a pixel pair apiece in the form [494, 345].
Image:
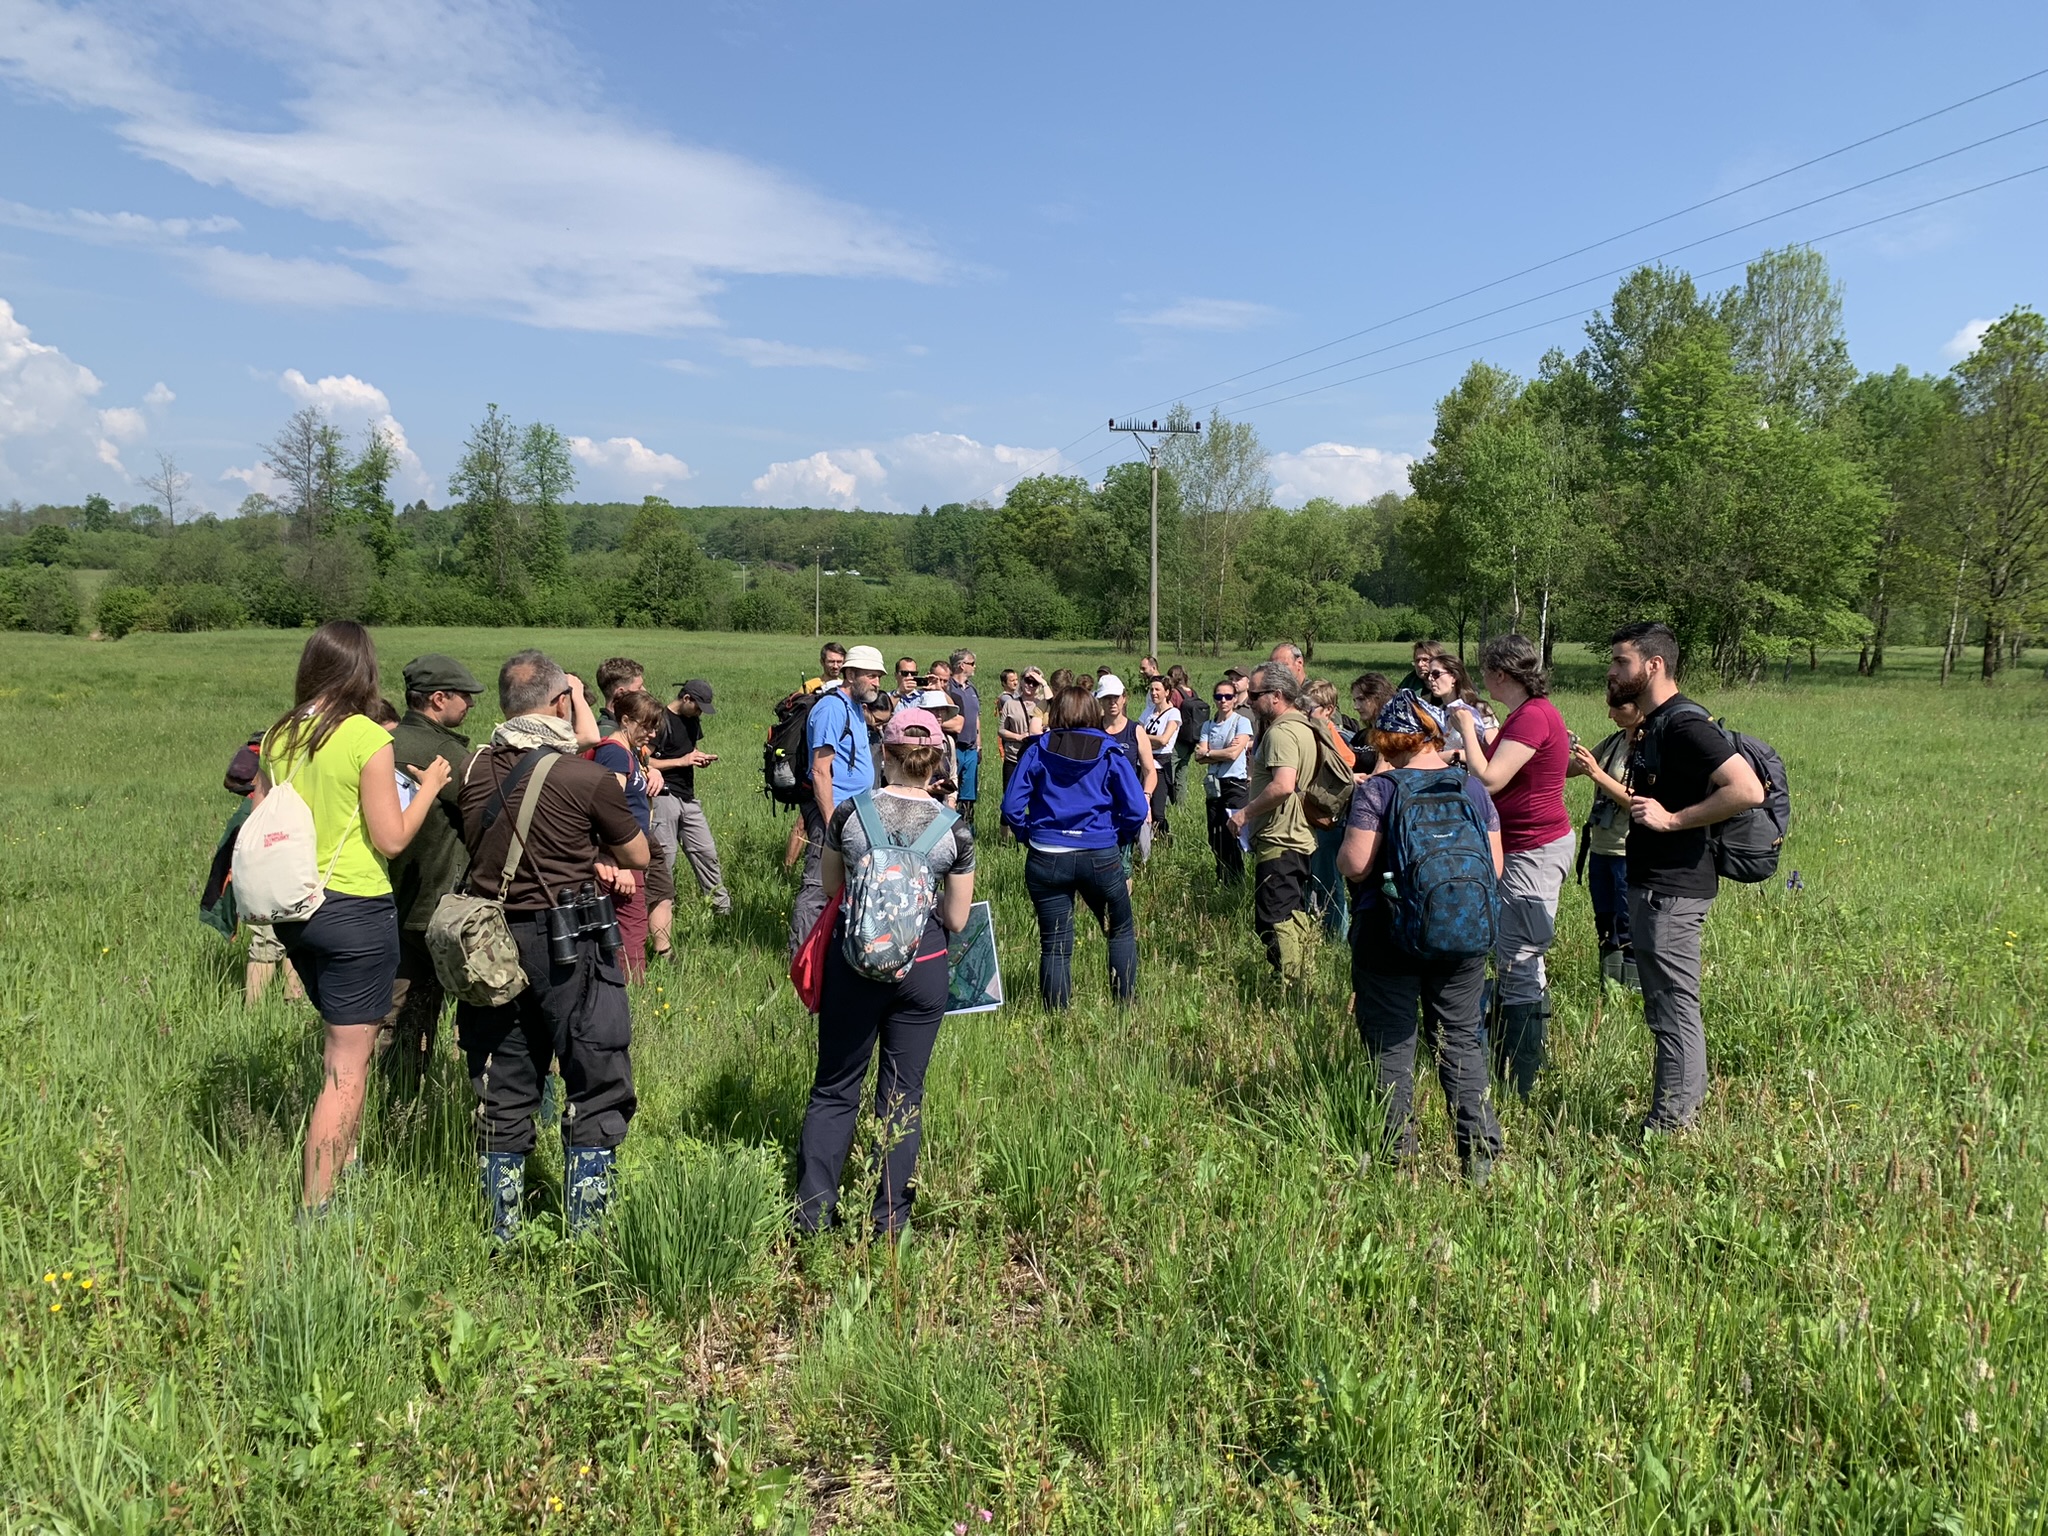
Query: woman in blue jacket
[1072, 800]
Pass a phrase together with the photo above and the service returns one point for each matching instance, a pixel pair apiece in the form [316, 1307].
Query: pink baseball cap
[912, 727]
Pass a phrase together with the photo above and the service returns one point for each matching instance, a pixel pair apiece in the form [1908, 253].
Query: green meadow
[1155, 1285]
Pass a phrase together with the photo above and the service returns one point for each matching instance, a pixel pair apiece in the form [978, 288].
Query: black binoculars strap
[523, 823]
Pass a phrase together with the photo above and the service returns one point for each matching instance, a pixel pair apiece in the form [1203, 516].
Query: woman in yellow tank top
[339, 761]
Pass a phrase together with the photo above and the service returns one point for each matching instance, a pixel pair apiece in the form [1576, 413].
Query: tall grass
[1153, 1284]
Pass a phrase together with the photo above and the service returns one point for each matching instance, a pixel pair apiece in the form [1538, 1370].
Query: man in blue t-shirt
[841, 767]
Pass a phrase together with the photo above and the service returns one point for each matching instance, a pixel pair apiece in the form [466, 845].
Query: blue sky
[896, 254]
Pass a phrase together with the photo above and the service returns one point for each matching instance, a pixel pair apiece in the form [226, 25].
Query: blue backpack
[1441, 866]
[890, 894]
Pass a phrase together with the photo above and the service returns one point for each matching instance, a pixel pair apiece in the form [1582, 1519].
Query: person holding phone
[679, 822]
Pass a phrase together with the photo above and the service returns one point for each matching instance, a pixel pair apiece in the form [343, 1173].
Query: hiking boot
[1630, 977]
[504, 1181]
[1610, 967]
[586, 1186]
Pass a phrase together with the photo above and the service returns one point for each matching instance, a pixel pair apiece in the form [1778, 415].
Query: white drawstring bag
[276, 866]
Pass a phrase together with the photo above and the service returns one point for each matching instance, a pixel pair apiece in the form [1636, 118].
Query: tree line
[1709, 459]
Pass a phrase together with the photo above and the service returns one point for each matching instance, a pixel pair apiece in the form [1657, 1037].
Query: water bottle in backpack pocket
[1441, 864]
[891, 893]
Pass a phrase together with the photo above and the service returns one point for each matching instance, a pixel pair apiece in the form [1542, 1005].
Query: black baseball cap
[699, 690]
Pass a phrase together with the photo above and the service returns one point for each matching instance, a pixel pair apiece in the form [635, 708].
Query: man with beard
[1685, 775]
[841, 767]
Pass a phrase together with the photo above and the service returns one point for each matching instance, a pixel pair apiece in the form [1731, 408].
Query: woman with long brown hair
[335, 756]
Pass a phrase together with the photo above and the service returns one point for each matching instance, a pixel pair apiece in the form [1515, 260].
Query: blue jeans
[1096, 875]
[1607, 884]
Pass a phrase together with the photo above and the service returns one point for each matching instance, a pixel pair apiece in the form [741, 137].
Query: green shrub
[202, 605]
[123, 610]
[38, 597]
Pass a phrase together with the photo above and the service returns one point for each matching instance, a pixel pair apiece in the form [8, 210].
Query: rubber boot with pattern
[586, 1186]
[504, 1181]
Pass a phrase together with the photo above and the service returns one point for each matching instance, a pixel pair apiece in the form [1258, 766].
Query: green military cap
[433, 671]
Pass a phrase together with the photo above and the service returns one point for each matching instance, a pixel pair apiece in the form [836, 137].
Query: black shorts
[347, 955]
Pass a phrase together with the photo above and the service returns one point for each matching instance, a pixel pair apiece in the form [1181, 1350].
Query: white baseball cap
[1108, 685]
[865, 658]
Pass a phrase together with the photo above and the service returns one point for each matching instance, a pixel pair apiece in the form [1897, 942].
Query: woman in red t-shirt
[1523, 769]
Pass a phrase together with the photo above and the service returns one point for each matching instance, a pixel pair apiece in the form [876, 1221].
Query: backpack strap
[523, 823]
[941, 825]
[871, 821]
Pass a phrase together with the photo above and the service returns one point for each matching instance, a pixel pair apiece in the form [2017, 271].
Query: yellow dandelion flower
[85, 1284]
[67, 1274]
[56, 1306]
[105, 950]
[584, 1470]
[50, 1278]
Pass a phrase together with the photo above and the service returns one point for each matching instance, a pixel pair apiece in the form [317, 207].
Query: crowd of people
[535, 875]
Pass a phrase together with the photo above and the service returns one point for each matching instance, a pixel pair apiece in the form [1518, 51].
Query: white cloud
[112, 228]
[921, 469]
[336, 395]
[54, 441]
[1964, 342]
[685, 365]
[160, 395]
[628, 463]
[1205, 315]
[844, 477]
[352, 402]
[781, 354]
[1337, 470]
[258, 479]
[473, 160]
[124, 424]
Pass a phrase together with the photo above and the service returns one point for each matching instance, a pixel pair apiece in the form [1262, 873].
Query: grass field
[1151, 1288]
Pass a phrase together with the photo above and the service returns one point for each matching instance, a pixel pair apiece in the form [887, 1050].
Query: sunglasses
[906, 674]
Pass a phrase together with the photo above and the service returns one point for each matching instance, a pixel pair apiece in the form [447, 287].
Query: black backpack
[785, 764]
[1194, 714]
[1745, 846]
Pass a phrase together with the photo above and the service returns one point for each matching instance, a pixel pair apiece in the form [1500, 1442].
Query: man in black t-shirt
[1685, 775]
[679, 824]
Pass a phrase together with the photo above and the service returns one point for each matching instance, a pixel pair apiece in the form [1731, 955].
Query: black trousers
[1223, 841]
[1400, 1002]
[575, 1014]
[853, 1015]
[1279, 896]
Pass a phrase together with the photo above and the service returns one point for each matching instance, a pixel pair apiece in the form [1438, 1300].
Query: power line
[1622, 235]
[1551, 293]
[1897, 213]
[1694, 207]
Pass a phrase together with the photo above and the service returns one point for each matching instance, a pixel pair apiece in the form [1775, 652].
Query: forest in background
[1711, 459]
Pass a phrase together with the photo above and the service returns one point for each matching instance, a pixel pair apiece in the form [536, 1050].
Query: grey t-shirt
[903, 817]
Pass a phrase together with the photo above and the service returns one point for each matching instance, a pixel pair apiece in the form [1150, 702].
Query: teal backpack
[890, 894]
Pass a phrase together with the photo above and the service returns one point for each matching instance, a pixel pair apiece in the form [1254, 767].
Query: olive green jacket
[435, 862]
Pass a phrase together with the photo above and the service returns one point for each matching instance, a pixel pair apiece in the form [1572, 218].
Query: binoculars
[587, 914]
